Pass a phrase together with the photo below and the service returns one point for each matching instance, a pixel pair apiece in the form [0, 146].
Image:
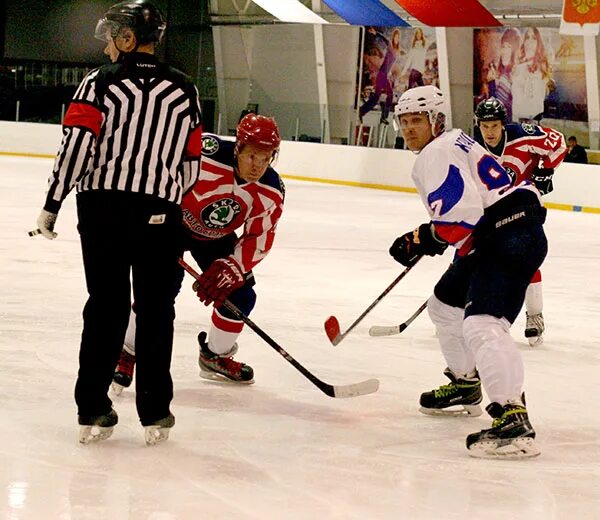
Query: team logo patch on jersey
[210, 145]
[220, 213]
[528, 128]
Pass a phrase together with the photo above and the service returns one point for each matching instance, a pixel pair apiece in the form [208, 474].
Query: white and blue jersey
[457, 180]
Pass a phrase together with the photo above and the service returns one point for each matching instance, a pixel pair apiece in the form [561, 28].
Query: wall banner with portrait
[392, 60]
[536, 72]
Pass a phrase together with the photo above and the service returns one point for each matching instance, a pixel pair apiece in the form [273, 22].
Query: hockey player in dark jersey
[236, 188]
[530, 153]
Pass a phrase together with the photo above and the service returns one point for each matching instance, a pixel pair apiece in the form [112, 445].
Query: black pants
[127, 235]
[493, 280]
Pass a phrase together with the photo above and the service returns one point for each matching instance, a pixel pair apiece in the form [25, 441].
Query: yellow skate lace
[500, 420]
[451, 388]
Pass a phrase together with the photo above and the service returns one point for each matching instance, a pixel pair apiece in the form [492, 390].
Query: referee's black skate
[461, 397]
[510, 437]
[158, 431]
[94, 428]
[222, 367]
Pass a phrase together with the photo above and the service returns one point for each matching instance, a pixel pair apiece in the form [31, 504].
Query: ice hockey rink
[281, 449]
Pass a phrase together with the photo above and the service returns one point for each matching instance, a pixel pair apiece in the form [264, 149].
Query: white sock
[533, 298]
[220, 341]
[129, 343]
[449, 325]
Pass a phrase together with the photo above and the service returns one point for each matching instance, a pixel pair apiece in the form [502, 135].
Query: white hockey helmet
[428, 99]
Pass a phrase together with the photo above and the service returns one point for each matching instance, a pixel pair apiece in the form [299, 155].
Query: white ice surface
[281, 449]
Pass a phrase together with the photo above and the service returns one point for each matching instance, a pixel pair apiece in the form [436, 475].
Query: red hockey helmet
[259, 131]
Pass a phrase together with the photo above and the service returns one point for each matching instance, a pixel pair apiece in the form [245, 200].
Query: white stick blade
[366, 387]
[382, 330]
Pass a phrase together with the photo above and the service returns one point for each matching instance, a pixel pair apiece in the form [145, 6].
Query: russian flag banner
[366, 12]
[450, 13]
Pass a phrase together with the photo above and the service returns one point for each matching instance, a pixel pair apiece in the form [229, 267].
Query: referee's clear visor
[106, 30]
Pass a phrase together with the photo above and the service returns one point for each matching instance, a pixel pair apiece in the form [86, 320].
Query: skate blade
[91, 434]
[505, 449]
[220, 378]
[117, 388]
[536, 341]
[467, 410]
[155, 435]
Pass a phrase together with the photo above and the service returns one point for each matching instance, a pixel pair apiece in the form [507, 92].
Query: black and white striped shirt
[133, 126]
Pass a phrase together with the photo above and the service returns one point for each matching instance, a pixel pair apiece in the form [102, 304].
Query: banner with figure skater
[394, 59]
[537, 73]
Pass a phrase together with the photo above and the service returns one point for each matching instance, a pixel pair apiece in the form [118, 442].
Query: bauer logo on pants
[508, 220]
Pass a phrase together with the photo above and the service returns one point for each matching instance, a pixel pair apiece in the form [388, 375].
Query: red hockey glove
[216, 284]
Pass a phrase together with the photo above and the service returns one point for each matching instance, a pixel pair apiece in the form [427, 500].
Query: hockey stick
[382, 330]
[332, 325]
[363, 388]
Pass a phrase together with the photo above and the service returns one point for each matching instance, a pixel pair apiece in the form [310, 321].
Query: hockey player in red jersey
[236, 188]
[529, 153]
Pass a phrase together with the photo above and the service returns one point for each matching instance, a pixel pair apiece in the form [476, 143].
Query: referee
[131, 146]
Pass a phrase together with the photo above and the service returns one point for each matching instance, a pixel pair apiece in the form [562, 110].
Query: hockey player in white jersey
[497, 231]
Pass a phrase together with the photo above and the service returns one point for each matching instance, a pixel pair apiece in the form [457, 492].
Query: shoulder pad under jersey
[218, 149]
[519, 130]
[272, 179]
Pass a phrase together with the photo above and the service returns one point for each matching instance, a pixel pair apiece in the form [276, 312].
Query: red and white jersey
[528, 146]
[221, 202]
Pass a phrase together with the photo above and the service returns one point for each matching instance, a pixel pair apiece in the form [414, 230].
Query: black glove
[422, 241]
[542, 179]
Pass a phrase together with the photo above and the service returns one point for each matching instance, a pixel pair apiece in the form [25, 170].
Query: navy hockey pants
[494, 278]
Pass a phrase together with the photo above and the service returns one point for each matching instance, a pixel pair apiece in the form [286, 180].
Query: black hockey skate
[123, 373]
[460, 397]
[222, 368]
[158, 431]
[534, 329]
[94, 428]
[510, 437]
